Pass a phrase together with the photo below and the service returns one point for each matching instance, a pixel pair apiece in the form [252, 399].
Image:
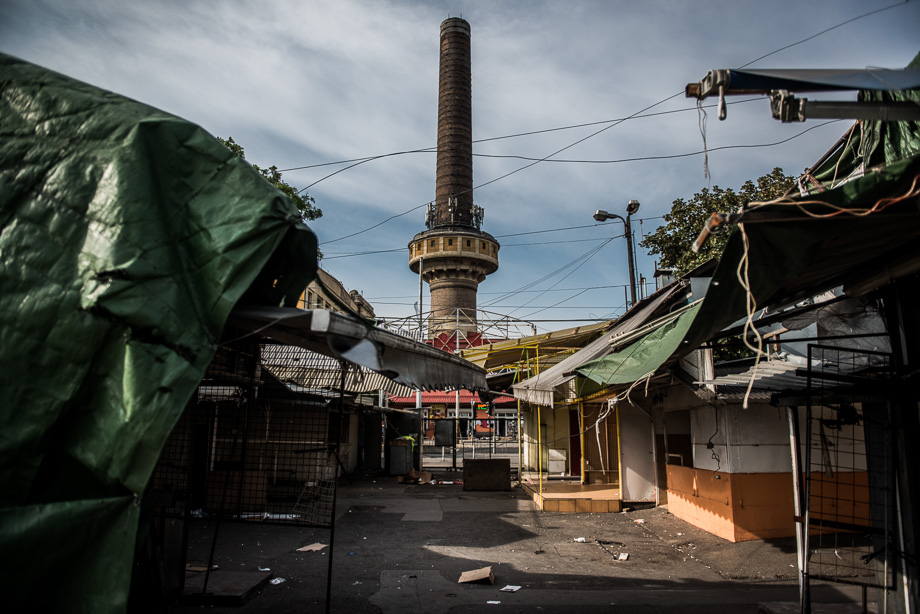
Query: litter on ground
[477, 575]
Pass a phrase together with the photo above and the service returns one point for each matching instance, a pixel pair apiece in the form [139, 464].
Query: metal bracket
[787, 108]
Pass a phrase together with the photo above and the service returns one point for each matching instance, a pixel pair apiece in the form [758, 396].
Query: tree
[683, 224]
[304, 202]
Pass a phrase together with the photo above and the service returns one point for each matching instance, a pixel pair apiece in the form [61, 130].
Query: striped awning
[303, 369]
[348, 338]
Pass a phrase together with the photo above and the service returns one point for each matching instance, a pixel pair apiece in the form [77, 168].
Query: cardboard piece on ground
[477, 575]
[312, 547]
[191, 567]
[414, 477]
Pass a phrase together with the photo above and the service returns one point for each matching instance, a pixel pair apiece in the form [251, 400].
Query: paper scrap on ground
[493, 602]
[511, 588]
[477, 575]
[312, 547]
[623, 556]
[276, 580]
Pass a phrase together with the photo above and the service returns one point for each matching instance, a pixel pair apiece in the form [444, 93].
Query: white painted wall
[637, 456]
[555, 427]
[759, 440]
[758, 436]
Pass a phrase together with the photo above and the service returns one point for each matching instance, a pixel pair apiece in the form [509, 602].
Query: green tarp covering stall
[873, 143]
[859, 236]
[126, 237]
[640, 358]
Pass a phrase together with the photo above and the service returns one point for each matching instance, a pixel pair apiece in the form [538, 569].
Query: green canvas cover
[640, 358]
[126, 237]
[874, 143]
[793, 255]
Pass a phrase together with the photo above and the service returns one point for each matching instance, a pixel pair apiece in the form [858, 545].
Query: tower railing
[451, 331]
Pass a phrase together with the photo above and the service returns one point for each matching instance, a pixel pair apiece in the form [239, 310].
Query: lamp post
[602, 216]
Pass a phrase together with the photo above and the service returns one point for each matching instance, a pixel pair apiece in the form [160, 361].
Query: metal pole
[540, 453]
[629, 258]
[421, 333]
[581, 440]
[792, 416]
[520, 452]
[456, 427]
[335, 486]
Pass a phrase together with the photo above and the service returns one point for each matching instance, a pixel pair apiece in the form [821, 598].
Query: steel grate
[849, 498]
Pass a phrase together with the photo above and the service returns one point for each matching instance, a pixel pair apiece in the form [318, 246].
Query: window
[468, 242]
[432, 243]
[450, 241]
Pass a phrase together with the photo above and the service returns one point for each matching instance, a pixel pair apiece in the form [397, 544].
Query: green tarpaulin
[797, 249]
[126, 237]
[874, 143]
[642, 357]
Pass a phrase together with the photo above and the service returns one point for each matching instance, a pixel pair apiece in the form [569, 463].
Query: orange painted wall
[702, 500]
[748, 506]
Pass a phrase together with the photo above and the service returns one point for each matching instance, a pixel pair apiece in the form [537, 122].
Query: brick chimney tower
[454, 255]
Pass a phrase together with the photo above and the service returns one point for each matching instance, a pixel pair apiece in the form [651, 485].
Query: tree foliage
[304, 202]
[673, 240]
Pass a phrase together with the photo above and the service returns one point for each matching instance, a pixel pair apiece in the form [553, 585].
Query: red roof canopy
[449, 398]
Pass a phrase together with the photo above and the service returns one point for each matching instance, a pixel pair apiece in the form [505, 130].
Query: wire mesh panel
[849, 476]
[315, 504]
[251, 447]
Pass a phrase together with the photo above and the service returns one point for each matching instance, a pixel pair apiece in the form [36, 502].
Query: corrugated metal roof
[783, 376]
[508, 353]
[294, 365]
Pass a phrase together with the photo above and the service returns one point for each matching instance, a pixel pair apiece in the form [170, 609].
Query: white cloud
[301, 83]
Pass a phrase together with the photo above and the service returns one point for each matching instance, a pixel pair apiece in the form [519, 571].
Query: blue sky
[302, 84]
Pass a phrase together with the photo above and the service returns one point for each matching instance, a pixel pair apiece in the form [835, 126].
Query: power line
[644, 158]
[504, 246]
[613, 124]
[508, 306]
[843, 23]
[670, 156]
[580, 259]
[410, 296]
[433, 149]
[392, 217]
[526, 166]
[352, 255]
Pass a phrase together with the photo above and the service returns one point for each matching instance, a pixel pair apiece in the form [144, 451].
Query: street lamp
[602, 216]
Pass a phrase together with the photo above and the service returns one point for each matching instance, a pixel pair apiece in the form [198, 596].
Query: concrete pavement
[401, 548]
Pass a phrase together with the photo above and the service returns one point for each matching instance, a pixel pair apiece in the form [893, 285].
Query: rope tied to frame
[701, 119]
